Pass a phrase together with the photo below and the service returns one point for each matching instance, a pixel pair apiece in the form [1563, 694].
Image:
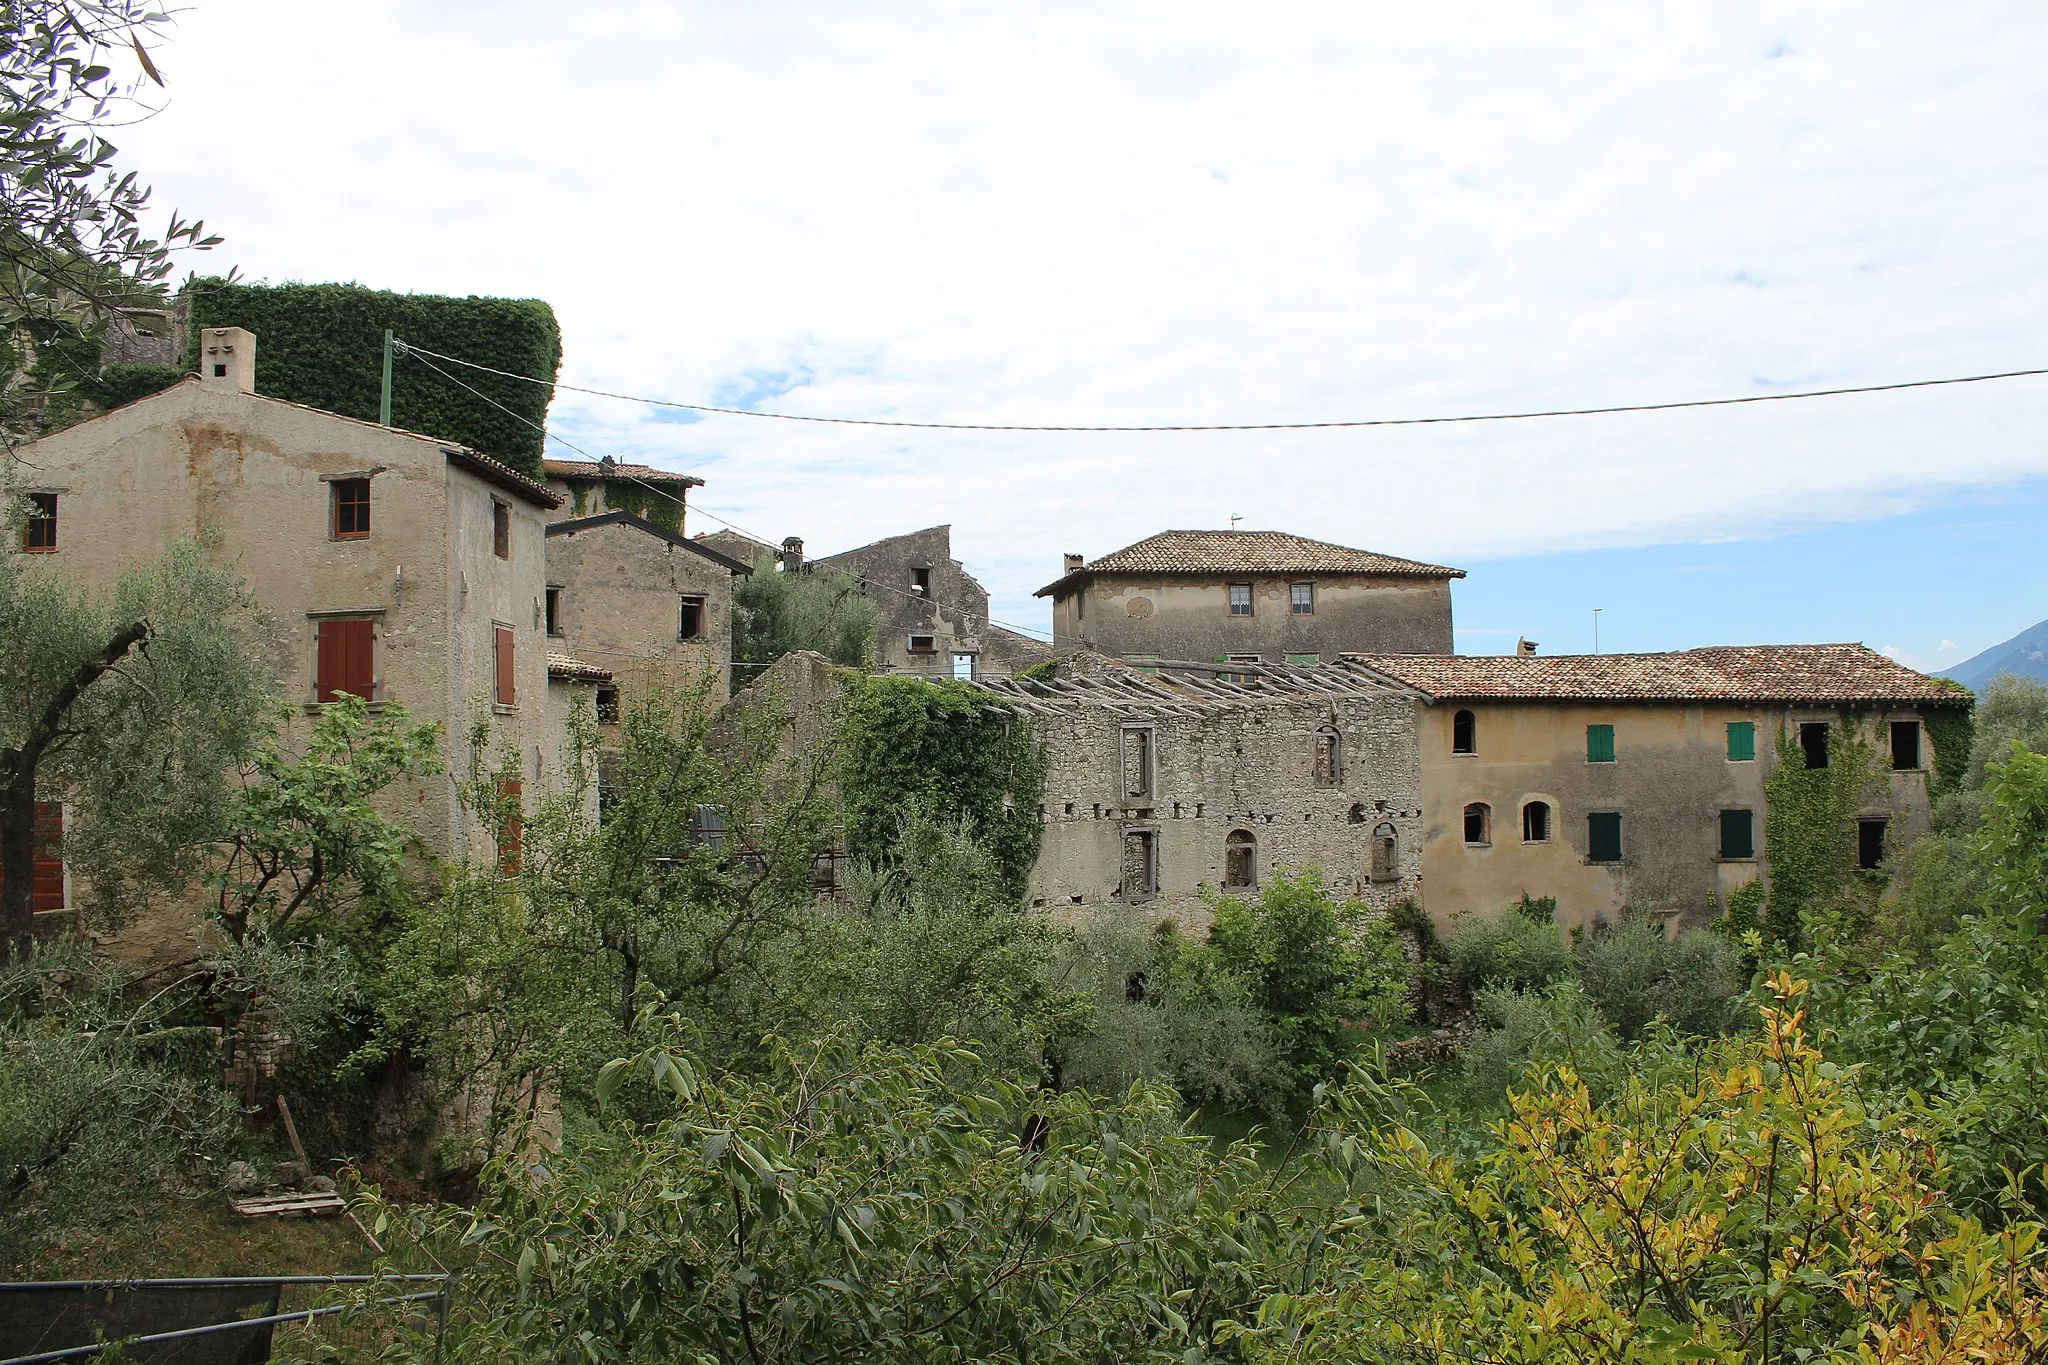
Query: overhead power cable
[1527, 416]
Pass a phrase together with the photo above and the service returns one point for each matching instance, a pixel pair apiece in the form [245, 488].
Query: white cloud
[1084, 213]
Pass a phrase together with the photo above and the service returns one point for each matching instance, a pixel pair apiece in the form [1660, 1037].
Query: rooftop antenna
[1596, 628]
[1234, 520]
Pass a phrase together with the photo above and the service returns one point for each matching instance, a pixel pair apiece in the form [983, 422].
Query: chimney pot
[1070, 563]
[1525, 648]
[792, 553]
[227, 359]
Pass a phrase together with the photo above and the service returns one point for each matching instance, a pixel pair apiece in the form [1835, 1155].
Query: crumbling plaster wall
[621, 601]
[1189, 619]
[954, 611]
[1249, 766]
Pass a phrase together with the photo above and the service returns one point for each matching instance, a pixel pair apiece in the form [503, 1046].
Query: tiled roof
[592, 469]
[1246, 552]
[1825, 674]
[569, 667]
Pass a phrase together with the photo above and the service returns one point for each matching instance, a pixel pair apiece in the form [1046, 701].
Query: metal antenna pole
[1596, 628]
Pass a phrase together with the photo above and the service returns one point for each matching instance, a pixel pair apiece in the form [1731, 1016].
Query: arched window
[1329, 757]
[1536, 823]
[1240, 861]
[1478, 823]
[1386, 853]
[1464, 733]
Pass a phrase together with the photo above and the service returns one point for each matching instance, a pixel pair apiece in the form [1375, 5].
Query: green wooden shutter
[1741, 741]
[1738, 834]
[1603, 837]
[1599, 744]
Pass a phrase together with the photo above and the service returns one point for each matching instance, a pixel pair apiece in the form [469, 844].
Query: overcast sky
[1185, 213]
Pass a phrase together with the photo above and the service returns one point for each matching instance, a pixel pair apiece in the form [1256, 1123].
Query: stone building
[647, 604]
[934, 614]
[389, 564]
[1249, 597]
[1637, 780]
[1161, 785]
[590, 487]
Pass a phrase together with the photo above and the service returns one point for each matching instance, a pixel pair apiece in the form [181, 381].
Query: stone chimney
[227, 359]
[1069, 563]
[792, 553]
[1525, 649]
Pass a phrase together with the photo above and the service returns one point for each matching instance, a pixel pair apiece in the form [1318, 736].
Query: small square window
[607, 706]
[1870, 844]
[1738, 834]
[1240, 599]
[1301, 598]
[39, 532]
[1813, 738]
[1603, 837]
[1599, 744]
[351, 499]
[921, 581]
[690, 625]
[1905, 746]
[1741, 741]
[924, 644]
[501, 530]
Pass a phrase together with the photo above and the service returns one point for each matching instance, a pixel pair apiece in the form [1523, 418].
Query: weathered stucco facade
[1617, 782]
[588, 488]
[1159, 786]
[449, 553]
[1249, 596]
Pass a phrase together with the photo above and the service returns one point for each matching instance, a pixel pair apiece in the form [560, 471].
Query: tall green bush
[323, 345]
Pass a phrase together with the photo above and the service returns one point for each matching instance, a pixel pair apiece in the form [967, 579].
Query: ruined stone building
[1617, 781]
[1249, 597]
[589, 487]
[1158, 786]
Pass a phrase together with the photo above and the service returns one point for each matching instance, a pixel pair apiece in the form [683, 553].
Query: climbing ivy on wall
[951, 749]
[1809, 842]
[323, 345]
[1953, 732]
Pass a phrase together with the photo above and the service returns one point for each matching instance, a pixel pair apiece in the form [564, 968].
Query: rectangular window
[507, 693]
[346, 660]
[1905, 746]
[1137, 759]
[46, 871]
[1813, 738]
[1742, 741]
[554, 600]
[1738, 834]
[1599, 744]
[921, 581]
[39, 532]
[1301, 599]
[351, 499]
[512, 829]
[963, 667]
[1141, 865]
[924, 644]
[1603, 837]
[1240, 599]
[607, 706]
[501, 529]
[691, 624]
[1870, 844]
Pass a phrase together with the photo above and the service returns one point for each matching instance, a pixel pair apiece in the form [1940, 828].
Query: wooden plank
[291, 1206]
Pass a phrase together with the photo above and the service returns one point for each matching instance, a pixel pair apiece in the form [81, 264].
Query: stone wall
[1159, 617]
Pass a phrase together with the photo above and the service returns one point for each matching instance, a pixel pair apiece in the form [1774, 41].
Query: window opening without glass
[690, 621]
[1240, 860]
[1329, 757]
[501, 529]
[1137, 761]
[1813, 738]
[39, 531]
[1385, 852]
[554, 601]
[607, 706]
[924, 644]
[1478, 823]
[1905, 746]
[1536, 822]
[921, 581]
[963, 667]
[1141, 864]
[1870, 844]
[1464, 733]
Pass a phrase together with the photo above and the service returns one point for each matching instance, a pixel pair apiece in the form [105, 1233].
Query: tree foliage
[822, 610]
[323, 345]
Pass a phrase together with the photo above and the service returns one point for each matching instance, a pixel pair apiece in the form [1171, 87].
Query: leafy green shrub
[120, 384]
[1315, 968]
[1634, 973]
[1513, 950]
[1523, 1032]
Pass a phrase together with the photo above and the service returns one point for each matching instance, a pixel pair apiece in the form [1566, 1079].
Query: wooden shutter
[48, 874]
[507, 694]
[1599, 744]
[1741, 741]
[1738, 834]
[348, 660]
[1603, 837]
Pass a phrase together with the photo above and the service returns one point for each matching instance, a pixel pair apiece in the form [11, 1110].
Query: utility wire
[416, 353]
[1255, 426]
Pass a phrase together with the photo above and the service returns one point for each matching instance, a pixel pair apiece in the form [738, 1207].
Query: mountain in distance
[2025, 654]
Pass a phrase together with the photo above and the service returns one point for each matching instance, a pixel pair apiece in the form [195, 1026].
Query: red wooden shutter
[49, 863]
[507, 694]
[511, 843]
[348, 660]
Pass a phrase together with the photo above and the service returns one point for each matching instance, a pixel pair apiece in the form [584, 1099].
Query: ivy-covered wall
[1809, 829]
[323, 345]
[947, 747]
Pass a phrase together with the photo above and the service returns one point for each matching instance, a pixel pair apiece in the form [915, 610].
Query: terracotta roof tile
[590, 469]
[1824, 674]
[1247, 552]
[569, 667]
